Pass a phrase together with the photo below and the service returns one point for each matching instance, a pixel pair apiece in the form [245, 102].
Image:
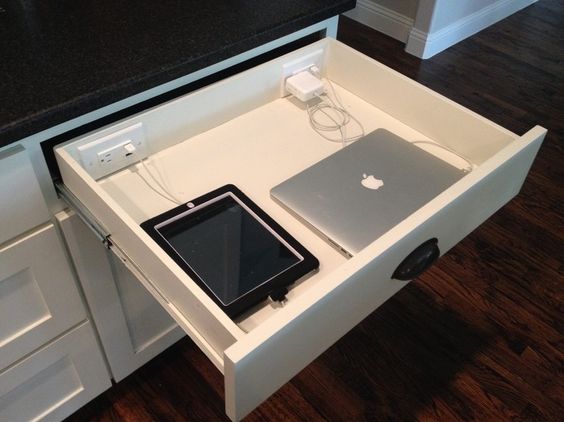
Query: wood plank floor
[480, 335]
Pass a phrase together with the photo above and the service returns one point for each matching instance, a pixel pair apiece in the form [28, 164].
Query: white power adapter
[304, 86]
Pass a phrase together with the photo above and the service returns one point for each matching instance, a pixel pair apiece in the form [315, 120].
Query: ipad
[231, 248]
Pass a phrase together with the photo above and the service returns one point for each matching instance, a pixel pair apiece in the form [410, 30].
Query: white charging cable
[328, 115]
[166, 194]
[470, 165]
[333, 111]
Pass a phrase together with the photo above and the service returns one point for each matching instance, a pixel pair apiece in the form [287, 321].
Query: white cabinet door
[54, 381]
[22, 206]
[133, 327]
[38, 295]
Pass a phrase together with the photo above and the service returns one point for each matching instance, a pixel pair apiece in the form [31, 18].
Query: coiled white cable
[334, 111]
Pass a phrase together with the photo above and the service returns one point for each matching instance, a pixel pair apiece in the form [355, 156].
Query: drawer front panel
[56, 380]
[284, 346]
[22, 206]
[38, 295]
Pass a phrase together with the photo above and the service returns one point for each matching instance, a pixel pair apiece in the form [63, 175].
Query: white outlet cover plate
[315, 58]
[89, 152]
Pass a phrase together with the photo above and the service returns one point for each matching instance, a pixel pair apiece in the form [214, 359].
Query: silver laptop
[360, 192]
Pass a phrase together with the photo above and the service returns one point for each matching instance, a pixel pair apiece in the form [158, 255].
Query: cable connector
[129, 149]
[304, 86]
[315, 71]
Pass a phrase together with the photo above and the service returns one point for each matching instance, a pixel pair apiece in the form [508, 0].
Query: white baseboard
[424, 44]
[382, 19]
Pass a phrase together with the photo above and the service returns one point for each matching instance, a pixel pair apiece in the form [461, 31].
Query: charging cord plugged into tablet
[279, 295]
[162, 190]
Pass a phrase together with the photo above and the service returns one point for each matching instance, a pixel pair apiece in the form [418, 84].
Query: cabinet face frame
[363, 282]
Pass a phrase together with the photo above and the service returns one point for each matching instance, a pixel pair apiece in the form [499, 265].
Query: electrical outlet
[117, 153]
[314, 58]
[114, 151]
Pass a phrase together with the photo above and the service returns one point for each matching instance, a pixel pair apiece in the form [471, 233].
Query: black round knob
[418, 261]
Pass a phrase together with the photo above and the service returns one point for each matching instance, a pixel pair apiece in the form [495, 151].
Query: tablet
[231, 248]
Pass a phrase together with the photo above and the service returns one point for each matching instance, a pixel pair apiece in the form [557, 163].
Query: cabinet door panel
[54, 381]
[133, 327]
[38, 295]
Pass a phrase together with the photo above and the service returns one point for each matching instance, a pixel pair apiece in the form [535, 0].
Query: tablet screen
[228, 247]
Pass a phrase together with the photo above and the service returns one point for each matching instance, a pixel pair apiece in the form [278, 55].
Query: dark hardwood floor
[477, 337]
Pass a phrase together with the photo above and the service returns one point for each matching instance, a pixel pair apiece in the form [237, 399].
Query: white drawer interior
[239, 131]
[255, 152]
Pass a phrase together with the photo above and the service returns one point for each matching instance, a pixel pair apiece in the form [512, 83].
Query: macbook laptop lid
[360, 192]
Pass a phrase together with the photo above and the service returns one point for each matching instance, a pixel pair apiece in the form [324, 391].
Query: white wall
[430, 26]
[440, 24]
[446, 12]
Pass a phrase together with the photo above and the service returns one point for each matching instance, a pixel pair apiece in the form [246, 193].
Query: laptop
[360, 192]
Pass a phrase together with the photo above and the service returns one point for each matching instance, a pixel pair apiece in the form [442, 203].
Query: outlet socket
[114, 151]
[293, 67]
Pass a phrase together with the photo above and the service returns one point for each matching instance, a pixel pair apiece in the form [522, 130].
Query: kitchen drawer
[56, 380]
[22, 206]
[38, 296]
[240, 131]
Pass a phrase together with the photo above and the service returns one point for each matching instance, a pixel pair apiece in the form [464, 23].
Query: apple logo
[371, 182]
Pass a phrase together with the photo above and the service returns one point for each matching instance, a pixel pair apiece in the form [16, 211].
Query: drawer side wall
[204, 316]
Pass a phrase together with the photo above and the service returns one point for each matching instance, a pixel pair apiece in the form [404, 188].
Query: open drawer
[240, 131]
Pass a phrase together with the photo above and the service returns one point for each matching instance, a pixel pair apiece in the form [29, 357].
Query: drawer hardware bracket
[102, 234]
[83, 213]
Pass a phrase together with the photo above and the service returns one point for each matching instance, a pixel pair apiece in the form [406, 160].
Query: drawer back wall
[180, 119]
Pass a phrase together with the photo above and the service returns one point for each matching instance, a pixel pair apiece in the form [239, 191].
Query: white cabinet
[239, 131]
[133, 327]
[50, 361]
[54, 381]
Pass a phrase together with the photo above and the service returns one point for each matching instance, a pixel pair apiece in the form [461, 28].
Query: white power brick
[304, 86]
[307, 61]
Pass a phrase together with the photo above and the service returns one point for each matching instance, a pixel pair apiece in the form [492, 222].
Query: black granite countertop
[60, 59]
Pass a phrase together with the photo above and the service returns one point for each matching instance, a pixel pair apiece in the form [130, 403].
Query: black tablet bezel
[287, 277]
